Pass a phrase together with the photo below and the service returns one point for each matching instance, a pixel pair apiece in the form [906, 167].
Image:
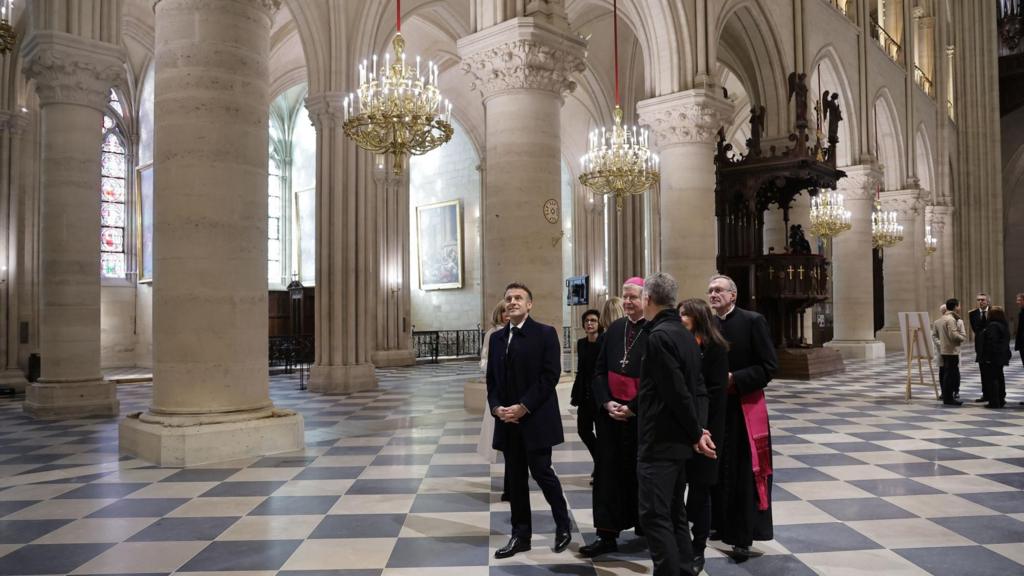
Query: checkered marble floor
[390, 484]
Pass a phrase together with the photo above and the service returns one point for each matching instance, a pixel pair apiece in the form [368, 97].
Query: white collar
[726, 315]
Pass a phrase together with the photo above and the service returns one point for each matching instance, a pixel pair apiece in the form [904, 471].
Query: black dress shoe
[562, 540]
[952, 403]
[505, 498]
[598, 547]
[698, 564]
[714, 535]
[745, 552]
[514, 546]
[982, 399]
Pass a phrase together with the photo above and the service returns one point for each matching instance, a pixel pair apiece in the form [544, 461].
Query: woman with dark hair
[993, 354]
[587, 349]
[701, 471]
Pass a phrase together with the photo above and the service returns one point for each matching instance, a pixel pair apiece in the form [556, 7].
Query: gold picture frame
[439, 245]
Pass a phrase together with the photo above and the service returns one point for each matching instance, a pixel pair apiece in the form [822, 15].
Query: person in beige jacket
[949, 332]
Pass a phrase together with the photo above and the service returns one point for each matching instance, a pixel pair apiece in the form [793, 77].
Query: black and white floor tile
[391, 484]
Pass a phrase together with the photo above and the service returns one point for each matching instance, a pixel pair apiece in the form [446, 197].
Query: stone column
[523, 67]
[394, 301]
[940, 264]
[685, 126]
[210, 378]
[903, 265]
[853, 299]
[72, 76]
[11, 127]
[345, 255]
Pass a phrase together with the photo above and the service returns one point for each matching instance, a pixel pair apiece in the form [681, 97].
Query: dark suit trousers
[951, 378]
[585, 426]
[993, 382]
[663, 516]
[520, 464]
[698, 509]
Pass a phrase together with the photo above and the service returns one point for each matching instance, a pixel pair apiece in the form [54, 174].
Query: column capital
[69, 69]
[522, 54]
[937, 217]
[271, 6]
[907, 203]
[861, 182]
[325, 109]
[692, 116]
[13, 122]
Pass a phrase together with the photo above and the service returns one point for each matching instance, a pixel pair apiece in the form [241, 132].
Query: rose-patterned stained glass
[111, 239]
[112, 265]
[113, 164]
[111, 143]
[112, 214]
[112, 190]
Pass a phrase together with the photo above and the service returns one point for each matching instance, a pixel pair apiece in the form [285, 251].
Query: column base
[13, 379]
[892, 339]
[858, 349]
[393, 358]
[179, 446]
[342, 379]
[474, 396]
[61, 400]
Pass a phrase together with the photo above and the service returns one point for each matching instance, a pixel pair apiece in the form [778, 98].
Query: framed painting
[439, 239]
[145, 204]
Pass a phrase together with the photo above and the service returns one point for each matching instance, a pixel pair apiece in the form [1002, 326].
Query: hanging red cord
[398, 15]
[615, 37]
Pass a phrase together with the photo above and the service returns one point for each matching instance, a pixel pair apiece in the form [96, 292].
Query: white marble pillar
[72, 77]
[903, 265]
[523, 67]
[210, 379]
[852, 288]
[345, 255]
[12, 124]
[941, 263]
[394, 301]
[685, 126]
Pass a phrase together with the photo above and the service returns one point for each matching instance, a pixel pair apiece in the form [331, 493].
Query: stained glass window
[113, 199]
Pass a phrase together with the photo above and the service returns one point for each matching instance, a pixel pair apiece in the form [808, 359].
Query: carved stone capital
[693, 116]
[325, 109]
[907, 203]
[269, 6]
[522, 54]
[937, 217]
[13, 122]
[861, 182]
[69, 69]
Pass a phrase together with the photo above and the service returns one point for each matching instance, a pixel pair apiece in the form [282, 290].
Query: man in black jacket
[524, 363]
[979, 320]
[671, 412]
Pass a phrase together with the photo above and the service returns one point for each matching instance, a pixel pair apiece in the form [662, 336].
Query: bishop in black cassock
[616, 379]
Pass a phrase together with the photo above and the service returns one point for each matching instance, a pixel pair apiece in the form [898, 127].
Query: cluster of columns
[12, 125]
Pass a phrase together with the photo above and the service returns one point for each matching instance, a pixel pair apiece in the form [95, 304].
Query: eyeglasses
[590, 321]
[718, 290]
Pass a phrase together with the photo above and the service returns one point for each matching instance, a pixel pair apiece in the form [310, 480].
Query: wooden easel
[913, 348]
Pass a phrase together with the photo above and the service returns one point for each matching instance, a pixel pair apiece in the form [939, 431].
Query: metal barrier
[292, 353]
[435, 344]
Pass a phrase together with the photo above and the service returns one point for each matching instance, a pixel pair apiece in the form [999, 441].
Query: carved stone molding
[325, 109]
[906, 203]
[861, 182]
[937, 217]
[693, 116]
[70, 69]
[269, 6]
[522, 54]
[13, 122]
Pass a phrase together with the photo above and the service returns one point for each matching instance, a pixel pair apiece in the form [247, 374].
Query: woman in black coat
[587, 349]
[993, 354]
[701, 471]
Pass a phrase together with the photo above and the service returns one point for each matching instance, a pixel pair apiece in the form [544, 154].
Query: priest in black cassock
[743, 512]
[616, 378]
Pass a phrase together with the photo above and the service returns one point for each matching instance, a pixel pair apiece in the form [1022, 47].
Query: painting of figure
[439, 236]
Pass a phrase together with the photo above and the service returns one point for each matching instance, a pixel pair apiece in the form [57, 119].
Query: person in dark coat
[979, 319]
[994, 353]
[672, 411]
[524, 363]
[587, 349]
[615, 383]
[745, 512]
[701, 471]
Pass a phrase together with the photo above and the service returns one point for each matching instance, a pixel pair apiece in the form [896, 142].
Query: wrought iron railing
[292, 353]
[888, 44]
[924, 81]
[435, 344]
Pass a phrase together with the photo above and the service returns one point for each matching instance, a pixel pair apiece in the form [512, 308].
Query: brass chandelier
[829, 216]
[7, 34]
[398, 110]
[931, 243]
[618, 161]
[885, 230]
